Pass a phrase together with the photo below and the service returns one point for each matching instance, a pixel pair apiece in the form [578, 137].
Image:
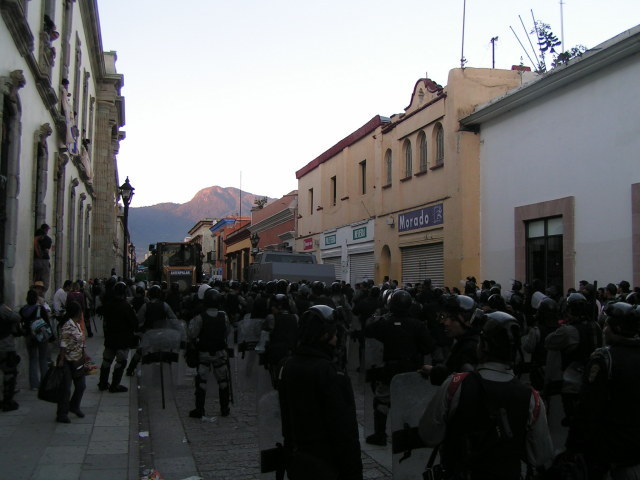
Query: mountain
[171, 222]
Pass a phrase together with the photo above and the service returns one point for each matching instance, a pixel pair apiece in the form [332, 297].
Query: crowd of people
[497, 357]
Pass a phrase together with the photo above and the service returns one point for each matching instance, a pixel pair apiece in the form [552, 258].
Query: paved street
[228, 447]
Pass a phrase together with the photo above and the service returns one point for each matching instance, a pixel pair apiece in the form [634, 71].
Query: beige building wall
[449, 186]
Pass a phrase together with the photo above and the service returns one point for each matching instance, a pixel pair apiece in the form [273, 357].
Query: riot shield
[410, 394]
[270, 437]
[247, 361]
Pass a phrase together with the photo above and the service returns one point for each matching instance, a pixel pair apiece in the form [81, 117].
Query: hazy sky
[242, 93]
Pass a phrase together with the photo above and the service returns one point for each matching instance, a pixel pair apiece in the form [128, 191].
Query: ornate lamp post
[126, 192]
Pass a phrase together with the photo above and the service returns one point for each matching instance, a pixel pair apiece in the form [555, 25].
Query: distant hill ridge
[171, 222]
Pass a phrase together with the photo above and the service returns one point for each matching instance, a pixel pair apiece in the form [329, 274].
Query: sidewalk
[102, 445]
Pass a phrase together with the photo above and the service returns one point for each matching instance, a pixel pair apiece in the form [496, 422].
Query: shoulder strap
[536, 407]
[455, 384]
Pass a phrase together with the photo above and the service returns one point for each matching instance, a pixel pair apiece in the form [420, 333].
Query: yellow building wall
[456, 184]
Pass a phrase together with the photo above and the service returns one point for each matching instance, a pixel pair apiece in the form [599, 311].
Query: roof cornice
[595, 59]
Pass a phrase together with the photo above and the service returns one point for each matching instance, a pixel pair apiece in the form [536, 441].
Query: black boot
[198, 412]
[131, 369]
[115, 381]
[224, 401]
[379, 436]
[103, 384]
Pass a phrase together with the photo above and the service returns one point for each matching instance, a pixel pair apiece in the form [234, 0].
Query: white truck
[291, 266]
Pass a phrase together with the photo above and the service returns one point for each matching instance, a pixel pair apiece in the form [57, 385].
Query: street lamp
[126, 192]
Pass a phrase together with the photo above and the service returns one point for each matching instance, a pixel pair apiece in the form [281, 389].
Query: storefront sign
[424, 217]
[308, 244]
[330, 240]
[359, 233]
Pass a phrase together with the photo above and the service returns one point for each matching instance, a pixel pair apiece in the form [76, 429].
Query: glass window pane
[555, 226]
[535, 229]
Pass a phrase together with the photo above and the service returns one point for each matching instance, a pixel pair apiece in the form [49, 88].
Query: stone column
[80, 238]
[72, 227]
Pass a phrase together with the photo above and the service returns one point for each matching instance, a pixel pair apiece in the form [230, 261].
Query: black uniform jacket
[318, 411]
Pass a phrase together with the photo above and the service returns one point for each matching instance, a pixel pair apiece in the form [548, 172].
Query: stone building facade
[60, 112]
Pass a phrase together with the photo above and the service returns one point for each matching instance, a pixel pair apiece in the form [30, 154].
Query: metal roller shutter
[337, 265]
[424, 261]
[361, 267]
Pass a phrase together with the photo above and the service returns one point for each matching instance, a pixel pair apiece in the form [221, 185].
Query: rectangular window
[311, 201]
[334, 190]
[544, 251]
[363, 177]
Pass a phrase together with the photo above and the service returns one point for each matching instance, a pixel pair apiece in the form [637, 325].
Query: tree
[260, 202]
[547, 43]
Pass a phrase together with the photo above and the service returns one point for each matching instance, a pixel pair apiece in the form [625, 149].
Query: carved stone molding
[14, 17]
[44, 131]
[83, 197]
[89, 207]
[63, 159]
[18, 80]
[74, 183]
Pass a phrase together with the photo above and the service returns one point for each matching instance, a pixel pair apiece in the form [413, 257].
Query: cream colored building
[399, 197]
[200, 233]
[60, 112]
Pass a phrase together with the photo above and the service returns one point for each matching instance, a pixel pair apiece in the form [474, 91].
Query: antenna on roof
[493, 51]
[240, 201]
[561, 25]
[464, 12]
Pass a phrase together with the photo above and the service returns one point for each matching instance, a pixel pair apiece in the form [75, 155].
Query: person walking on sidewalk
[9, 359]
[120, 323]
[38, 350]
[71, 357]
[209, 332]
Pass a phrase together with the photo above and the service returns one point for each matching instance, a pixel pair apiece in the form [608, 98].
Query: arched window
[408, 161]
[439, 144]
[388, 160]
[422, 141]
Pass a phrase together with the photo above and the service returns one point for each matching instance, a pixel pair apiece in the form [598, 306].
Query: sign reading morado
[421, 218]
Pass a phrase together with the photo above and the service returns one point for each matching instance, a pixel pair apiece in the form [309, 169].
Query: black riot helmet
[336, 288]
[496, 302]
[155, 292]
[577, 305]
[623, 319]
[212, 298]
[400, 302]
[120, 289]
[459, 305]
[280, 301]
[282, 286]
[499, 336]
[317, 325]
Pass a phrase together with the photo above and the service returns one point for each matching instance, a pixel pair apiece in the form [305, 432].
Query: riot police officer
[486, 421]
[283, 328]
[575, 340]
[606, 428]
[458, 312]
[318, 409]
[120, 324]
[209, 331]
[406, 341]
